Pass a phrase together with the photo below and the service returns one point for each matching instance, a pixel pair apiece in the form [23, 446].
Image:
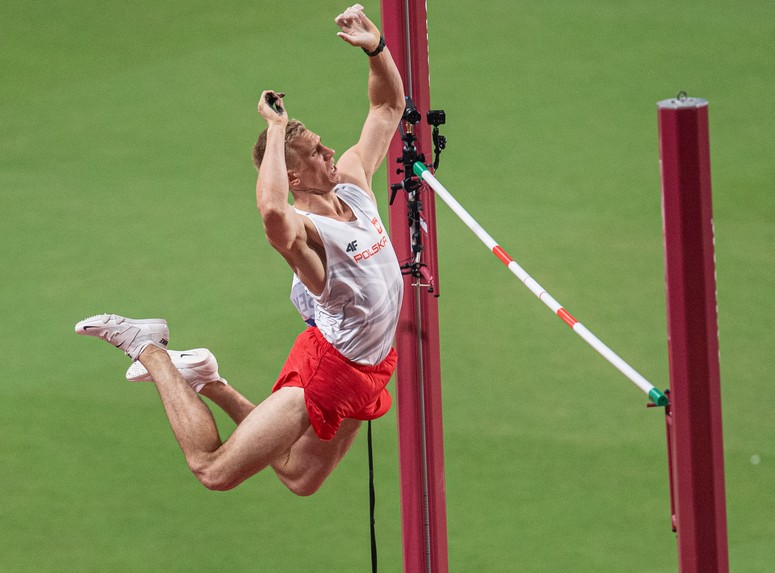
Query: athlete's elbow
[390, 111]
[267, 207]
[273, 214]
[398, 105]
[274, 218]
[279, 234]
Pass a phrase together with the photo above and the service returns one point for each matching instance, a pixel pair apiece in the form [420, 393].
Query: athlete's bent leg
[269, 429]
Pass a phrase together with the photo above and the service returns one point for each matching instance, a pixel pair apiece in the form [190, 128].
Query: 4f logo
[352, 247]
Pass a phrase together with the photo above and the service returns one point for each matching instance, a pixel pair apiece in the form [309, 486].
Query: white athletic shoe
[127, 334]
[197, 366]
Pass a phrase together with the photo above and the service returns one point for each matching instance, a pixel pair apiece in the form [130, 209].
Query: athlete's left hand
[357, 29]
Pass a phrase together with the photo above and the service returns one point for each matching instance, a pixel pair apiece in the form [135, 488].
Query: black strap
[378, 49]
[372, 503]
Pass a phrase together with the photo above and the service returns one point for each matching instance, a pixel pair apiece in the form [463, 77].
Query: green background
[126, 186]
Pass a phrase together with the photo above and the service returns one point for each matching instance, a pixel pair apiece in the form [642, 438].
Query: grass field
[126, 186]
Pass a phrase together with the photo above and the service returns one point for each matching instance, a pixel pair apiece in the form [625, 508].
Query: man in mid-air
[347, 286]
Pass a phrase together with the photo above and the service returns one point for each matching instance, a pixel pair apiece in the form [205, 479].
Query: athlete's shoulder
[354, 194]
[350, 188]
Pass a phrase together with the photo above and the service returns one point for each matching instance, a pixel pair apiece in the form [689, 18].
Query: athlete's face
[316, 170]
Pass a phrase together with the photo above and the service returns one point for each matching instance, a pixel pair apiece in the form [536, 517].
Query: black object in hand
[272, 100]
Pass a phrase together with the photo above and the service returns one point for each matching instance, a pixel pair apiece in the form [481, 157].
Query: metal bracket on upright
[411, 184]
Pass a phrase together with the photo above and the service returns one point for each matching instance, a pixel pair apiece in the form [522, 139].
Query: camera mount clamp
[412, 184]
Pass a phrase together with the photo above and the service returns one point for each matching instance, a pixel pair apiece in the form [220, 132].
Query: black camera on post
[437, 117]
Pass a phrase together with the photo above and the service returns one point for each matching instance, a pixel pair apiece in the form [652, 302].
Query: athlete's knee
[213, 481]
[217, 483]
[213, 477]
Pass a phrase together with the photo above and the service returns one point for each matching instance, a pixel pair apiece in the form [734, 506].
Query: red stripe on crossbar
[566, 316]
[502, 255]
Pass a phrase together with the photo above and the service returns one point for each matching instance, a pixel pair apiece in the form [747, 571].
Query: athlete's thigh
[269, 429]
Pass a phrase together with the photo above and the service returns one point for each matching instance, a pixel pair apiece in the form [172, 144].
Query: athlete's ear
[293, 179]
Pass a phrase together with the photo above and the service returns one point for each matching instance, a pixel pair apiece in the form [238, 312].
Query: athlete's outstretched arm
[386, 98]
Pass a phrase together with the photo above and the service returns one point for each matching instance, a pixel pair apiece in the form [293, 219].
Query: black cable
[372, 504]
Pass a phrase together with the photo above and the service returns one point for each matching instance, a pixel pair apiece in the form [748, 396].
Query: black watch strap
[377, 50]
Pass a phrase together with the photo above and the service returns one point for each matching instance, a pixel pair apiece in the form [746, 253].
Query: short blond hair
[293, 132]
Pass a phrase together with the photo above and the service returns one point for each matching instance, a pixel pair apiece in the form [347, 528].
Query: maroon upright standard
[695, 450]
[418, 390]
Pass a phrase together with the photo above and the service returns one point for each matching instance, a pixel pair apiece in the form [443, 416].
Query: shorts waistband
[366, 368]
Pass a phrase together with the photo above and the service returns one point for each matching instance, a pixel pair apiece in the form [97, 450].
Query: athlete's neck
[325, 204]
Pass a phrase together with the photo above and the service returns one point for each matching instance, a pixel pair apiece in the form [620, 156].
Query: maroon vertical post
[695, 433]
[418, 387]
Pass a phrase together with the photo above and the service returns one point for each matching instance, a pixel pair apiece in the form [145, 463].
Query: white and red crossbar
[656, 396]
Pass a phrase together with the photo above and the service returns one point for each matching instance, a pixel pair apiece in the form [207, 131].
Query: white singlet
[357, 312]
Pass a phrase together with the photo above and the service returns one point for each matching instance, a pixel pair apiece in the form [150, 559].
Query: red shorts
[335, 388]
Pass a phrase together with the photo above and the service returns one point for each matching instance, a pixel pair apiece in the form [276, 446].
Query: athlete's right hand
[272, 108]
